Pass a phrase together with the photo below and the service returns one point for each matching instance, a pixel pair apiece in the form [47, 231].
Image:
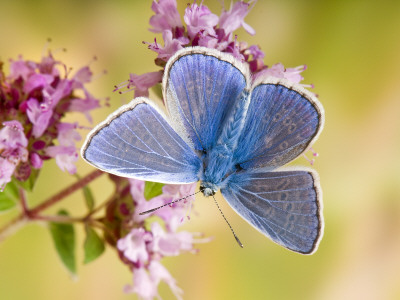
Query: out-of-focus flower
[65, 156]
[133, 246]
[203, 28]
[199, 18]
[141, 83]
[13, 143]
[166, 16]
[144, 246]
[34, 98]
[278, 70]
[233, 19]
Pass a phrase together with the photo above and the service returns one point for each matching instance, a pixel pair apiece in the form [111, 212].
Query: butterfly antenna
[169, 203]
[234, 234]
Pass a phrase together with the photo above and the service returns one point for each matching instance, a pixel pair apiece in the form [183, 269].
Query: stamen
[315, 154]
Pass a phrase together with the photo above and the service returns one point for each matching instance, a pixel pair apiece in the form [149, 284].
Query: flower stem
[66, 192]
[33, 214]
[24, 204]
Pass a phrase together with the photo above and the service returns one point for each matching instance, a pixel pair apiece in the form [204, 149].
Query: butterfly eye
[238, 167]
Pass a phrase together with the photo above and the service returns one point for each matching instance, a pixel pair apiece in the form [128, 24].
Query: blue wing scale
[137, 142]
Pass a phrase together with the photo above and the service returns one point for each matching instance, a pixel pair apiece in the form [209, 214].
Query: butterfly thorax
[218, 161]
[217, 164]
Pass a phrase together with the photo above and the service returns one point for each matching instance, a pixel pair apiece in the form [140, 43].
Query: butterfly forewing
[137, 142]
[200, 88]
[281, 123]
[284, 205]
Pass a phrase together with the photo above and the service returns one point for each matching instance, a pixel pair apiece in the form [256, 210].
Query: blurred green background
[352, 49]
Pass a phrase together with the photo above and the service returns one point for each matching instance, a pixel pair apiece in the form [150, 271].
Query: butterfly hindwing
[137, 142]
[201, 86]
[282, 121]
[284, 205]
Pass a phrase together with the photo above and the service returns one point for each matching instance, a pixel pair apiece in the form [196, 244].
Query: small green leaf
[29, 184]
[93, 246]
[9, 196]
[6, 203]
[152, 189]
[87, 193]
[64, 241]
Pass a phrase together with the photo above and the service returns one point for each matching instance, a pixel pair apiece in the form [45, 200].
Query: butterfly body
[230, 133]
[219, 161]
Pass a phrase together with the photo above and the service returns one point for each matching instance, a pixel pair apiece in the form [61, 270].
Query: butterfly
[229, 132]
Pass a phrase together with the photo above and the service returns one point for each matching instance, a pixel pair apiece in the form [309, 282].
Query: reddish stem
[66, 192]
[27, 214]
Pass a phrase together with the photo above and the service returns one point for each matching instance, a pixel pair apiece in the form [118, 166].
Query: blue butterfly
[231, 134]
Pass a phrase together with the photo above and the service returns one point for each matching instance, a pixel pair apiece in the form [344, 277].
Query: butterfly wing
[201, 86]
[284, 205]
[282, 121]
[137, 142]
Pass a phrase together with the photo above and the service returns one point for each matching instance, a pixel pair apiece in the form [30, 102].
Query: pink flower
[256, 62]
[255, 52]
[84, 105]
[37, 81]
[142, 249]
[38, 96]
[199, 18]
[133, 246]
[7, 169]
[146, 281]
[232, 19]
[205, 40]
[159, 273]
[170, 243]
[13, 143]
[12, 135]
[141, 204]
[39, 115]
[174, 216]
[140, 83]
[143, 285]
[171, 45]
[167, 16]
[21, 68]
[65, 156]
[279, 71]
[36, 160]
[293, 74]
[65, 153]
[67, 134]
[82, 76]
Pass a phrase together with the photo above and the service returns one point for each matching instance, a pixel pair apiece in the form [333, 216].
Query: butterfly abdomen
[234, 122]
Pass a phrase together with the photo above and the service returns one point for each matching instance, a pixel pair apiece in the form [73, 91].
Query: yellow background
[352, 49]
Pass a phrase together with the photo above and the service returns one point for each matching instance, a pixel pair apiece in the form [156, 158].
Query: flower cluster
[203, 28]
[34, 98]
[146, 243]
